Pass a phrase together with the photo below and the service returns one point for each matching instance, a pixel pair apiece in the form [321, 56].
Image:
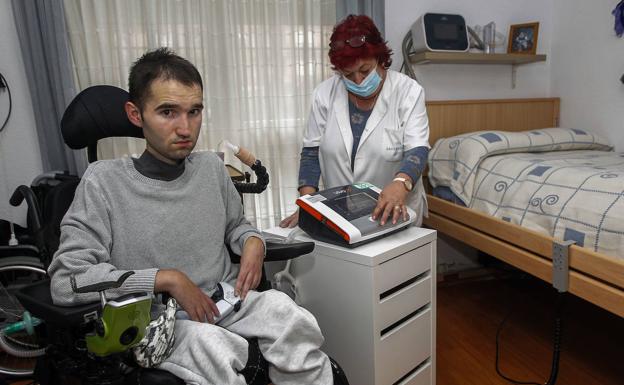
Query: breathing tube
[8, 345]
[284, 280]
[245, 156]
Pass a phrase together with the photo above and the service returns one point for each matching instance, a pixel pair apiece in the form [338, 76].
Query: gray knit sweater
[121, 220]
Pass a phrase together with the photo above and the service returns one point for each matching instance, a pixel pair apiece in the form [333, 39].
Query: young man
[168, 216]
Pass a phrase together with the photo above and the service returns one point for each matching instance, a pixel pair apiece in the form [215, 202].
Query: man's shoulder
[205, 158]
[104, 168]
[206, 163]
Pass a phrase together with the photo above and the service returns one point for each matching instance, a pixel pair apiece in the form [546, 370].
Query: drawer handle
[405, 284]
[404, 320]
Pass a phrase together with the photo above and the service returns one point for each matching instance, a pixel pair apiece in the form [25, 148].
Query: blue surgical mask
[368, 86]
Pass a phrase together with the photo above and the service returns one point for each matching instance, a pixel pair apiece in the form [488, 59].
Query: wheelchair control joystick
[121, 322]
[226, 300]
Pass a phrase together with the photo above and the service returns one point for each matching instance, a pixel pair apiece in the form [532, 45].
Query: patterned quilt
[566, 183]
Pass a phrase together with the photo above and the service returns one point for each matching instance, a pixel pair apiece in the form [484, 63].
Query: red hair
[374, 47]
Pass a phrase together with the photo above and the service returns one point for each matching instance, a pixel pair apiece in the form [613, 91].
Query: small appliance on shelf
[440, 32]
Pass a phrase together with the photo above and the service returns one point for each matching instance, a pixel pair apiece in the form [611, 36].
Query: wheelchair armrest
[37, 299]
[280, 251]
[286, 251]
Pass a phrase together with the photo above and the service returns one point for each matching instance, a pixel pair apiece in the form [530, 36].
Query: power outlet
[561, 265]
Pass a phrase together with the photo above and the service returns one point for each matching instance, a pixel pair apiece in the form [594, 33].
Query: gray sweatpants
[288, 335]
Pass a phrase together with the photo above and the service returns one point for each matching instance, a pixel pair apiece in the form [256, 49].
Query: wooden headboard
[454, 117]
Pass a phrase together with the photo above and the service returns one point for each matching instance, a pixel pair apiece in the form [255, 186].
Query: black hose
[406, 46]
[262, 180]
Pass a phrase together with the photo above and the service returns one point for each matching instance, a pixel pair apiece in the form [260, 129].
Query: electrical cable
[554, 370]
[406, 46]
[498, 371]
[4, 82]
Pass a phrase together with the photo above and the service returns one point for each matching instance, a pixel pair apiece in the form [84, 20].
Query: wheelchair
[94, 114]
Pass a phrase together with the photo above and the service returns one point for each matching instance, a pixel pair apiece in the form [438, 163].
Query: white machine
[226, 300]
[440, 32]
[342, 215]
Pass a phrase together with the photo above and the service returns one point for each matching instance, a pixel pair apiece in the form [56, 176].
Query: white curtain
[260, 61]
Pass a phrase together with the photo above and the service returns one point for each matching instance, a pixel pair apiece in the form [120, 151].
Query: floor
[469, 313]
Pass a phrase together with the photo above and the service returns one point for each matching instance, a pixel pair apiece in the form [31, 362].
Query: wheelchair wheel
[18, 350]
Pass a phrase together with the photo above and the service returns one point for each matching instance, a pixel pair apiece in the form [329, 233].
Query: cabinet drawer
[400, 269]
[403, 348]
[422, 376]
[404, 301]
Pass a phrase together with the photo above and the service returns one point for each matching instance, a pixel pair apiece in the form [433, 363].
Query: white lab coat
[397, 123]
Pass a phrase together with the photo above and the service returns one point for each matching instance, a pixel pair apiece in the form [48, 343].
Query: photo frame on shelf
[523, 38]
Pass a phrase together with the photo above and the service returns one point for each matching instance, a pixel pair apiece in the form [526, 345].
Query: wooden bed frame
[596, 277]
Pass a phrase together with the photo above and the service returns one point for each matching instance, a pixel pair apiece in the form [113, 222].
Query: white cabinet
[376, 305]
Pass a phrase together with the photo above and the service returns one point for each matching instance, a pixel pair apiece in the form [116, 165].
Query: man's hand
[250, 267]
[391, 203]
[199, 306]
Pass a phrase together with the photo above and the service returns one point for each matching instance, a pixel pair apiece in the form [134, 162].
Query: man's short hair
[161, 63]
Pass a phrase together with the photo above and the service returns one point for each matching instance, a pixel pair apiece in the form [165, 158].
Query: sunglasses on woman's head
[354, 42]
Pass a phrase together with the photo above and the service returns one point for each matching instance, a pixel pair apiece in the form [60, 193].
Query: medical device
[342, 215]
[226, 301]
[440, 32]
[240, 180]
[436, 32]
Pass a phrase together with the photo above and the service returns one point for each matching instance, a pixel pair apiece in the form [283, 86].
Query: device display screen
[353, 206]
[445, 31]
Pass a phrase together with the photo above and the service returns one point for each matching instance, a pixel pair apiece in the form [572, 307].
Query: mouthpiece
[245, 156]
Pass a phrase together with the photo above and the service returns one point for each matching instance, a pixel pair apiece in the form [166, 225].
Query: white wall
[587, 62]
[460, 81]
[20, 161]
[454, 81]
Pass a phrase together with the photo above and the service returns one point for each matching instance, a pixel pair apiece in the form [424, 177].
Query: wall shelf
[428, 57]
[473, 58]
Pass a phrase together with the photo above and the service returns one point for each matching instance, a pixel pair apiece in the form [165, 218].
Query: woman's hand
[391, 203]
[290, 221]
[250, 271]
[293, 219]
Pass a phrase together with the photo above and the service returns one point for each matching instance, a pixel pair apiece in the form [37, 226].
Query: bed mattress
[570, 189]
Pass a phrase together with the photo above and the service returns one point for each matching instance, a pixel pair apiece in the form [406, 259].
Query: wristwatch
[406, 182]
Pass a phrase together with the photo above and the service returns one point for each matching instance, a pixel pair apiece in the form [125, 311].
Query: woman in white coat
[367, 124]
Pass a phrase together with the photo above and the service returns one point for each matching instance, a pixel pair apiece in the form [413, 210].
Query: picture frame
[523, 38]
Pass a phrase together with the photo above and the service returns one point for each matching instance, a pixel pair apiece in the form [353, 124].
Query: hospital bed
[593, 276]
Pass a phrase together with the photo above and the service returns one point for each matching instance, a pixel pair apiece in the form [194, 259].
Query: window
[260, 61]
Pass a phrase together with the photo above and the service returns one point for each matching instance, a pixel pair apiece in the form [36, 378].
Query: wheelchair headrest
[96, 113]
